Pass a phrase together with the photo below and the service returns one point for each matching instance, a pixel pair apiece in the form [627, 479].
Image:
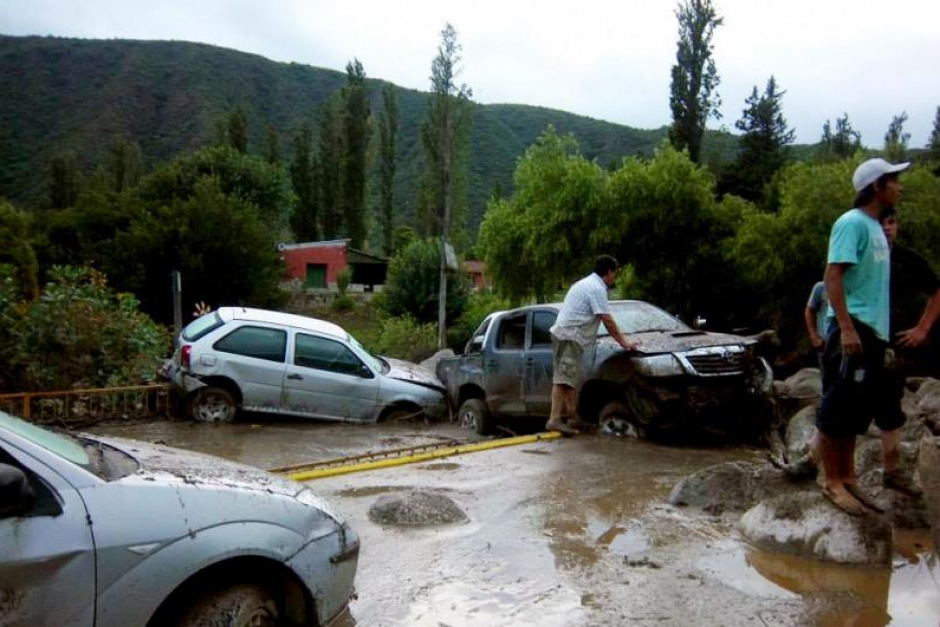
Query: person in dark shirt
[912, 281]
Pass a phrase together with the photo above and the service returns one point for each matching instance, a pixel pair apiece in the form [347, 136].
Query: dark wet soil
[567, 532]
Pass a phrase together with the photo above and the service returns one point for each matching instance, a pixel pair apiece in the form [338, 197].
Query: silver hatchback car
[107, 532]
[267, 361]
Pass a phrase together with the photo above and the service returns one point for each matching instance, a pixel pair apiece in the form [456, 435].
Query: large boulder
[806, 524]
[416, 508]
[806, 385]
[929, 464]
[800, 432]
[732, 486]
[928, 398]
[430, 364]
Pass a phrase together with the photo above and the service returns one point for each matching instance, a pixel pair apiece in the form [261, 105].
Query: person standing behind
[855, 387]
[584, 308]
[911, 278]
[815, 317]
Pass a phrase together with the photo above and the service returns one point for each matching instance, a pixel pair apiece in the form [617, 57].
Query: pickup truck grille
[718, 363]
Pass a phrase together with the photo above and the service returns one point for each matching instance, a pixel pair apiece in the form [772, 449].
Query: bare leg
[890, 446]
[839, 469]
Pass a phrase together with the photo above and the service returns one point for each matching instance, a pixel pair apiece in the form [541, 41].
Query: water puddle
[905, 595]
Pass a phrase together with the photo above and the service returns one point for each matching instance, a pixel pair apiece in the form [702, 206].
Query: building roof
[332, 243]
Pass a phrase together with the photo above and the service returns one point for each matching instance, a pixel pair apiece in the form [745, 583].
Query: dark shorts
[857, 389]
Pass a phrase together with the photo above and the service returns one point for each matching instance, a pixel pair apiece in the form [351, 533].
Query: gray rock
[800, 431]
[929, 464]
[416, 509]
[928, 398]
[732, 486]
[805, 384]
[806, 524]
[431, 362]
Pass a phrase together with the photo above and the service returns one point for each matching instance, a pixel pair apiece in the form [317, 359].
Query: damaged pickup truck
[675, 377]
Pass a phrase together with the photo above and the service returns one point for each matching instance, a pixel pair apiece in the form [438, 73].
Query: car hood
[676, 342]
[170, 464]
[412, 373]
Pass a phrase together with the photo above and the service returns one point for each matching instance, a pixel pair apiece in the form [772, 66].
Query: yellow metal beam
[449, 451]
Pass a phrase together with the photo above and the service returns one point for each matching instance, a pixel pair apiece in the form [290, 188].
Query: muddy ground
[562, 533]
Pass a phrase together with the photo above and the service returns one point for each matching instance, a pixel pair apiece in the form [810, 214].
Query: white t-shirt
[577, 321]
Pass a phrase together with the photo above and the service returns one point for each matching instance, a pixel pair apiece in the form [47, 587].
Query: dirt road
[563, 533]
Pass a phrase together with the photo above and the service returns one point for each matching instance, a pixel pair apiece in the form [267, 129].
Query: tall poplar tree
[692, 97]
[331, 151]
[238, 130]
[358, 132]
[763, 147]
[933, 142]
[304, 219]
[272, 147]
[444, 133]
[388, 133]
[896, 139]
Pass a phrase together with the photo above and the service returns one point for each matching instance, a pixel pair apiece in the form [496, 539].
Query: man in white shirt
[585, 307]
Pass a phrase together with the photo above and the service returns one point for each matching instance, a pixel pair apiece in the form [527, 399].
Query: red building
[317, 264]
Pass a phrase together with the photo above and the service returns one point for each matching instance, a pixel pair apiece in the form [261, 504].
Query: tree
[763, 145]
[412, 284]
[331, 152]
[65, 180]
[302, 173]
[841, 144]
[238, 130]
[388, 133]
[933, 143]
[358, 132]
[124, 163]
[692, 96]
[896, 139]
[444, 134]
[16, 250]
[272, 149]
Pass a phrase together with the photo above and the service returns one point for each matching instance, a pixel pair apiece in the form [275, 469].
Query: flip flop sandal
[863, 497]
[845, 507]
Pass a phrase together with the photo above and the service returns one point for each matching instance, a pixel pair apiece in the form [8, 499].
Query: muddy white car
[110, 532]
[676, 376]
[267, 361]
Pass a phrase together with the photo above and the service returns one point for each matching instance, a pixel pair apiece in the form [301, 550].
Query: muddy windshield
[636, 317]
[99, 459]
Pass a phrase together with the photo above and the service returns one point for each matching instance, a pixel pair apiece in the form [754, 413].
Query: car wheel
[238, 606]
[616, 419]
[212, 404]
[474, 414]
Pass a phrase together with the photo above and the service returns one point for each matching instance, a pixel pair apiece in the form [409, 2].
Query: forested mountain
[79, 95]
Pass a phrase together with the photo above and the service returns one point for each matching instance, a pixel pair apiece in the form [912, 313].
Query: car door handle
[295, 377]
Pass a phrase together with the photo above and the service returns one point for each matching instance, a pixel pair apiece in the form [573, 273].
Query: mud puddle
[571, 532]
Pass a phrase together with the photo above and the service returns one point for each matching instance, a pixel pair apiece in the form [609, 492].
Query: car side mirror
[16, 495]
[475, 345]
[364, 372]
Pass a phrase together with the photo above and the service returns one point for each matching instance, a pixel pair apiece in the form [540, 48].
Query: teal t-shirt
[857, 239]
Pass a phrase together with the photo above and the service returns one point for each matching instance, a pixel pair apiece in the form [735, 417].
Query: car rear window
[257, 342]
[201, 326]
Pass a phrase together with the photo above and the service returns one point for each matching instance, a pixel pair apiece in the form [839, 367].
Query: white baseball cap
[873, 169]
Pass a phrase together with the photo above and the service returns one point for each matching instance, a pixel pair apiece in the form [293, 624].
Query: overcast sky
[608, 59]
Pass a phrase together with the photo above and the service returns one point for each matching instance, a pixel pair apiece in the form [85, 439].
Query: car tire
[213, 404]
[616, 419]
[474, 414]
[403, 414]
[244, 605]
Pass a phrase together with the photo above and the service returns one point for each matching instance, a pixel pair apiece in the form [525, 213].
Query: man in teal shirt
[854, 380]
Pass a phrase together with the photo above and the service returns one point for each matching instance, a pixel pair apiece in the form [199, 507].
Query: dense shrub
[404, 338]
[479, 305]
[77, 333]
[414, 280]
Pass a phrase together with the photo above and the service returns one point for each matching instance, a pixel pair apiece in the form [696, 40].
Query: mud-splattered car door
[503, 366]
[47, 553]
[325, 379]
[538, 362]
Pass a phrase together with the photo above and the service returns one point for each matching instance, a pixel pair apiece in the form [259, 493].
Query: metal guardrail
[74, 408]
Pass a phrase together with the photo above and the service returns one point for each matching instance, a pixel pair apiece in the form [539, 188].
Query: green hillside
[69, 94]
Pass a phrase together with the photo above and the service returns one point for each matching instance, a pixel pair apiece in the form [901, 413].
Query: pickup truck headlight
[659, 366]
